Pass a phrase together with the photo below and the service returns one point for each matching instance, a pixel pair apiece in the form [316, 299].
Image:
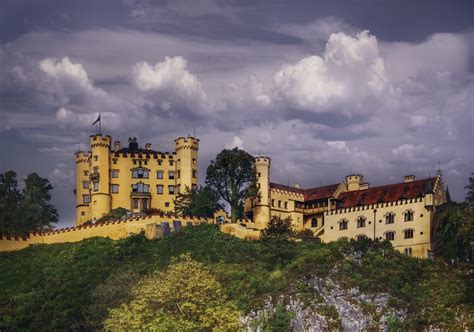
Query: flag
[98, 120]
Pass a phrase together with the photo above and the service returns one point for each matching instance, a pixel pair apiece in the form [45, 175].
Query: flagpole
[100, 127]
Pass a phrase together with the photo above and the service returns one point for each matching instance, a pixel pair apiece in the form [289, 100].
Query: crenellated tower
[100, 199]
[186, 149]
[261, 206]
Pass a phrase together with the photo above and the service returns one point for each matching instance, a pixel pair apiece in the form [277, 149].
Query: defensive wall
[154, 226]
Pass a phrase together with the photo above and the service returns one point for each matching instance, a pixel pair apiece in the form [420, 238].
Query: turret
[354, 182]
[261, 209]
[82, 187]
[99, 176]
[186, 165]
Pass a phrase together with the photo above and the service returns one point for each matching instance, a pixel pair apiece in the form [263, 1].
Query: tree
[36, 213]
[470, 192]
[232, 176]
[10, 198]
[200, 202]
[277, 242]
[184, 297]
[113, 215]
[278, 228]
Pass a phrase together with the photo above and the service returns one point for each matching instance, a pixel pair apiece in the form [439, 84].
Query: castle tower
[186, 162]
[82, 187]
[261, 208]
[99, 176]
[354, 182]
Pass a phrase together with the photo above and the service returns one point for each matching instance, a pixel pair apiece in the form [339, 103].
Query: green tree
[200, 202]
[36, 213]
[184, 297]
[277, 241]
[470, 192]
[10, 198]
[278, 228]
[232, 176]
[114, 214]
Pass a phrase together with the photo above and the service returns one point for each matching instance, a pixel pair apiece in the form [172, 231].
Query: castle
[110, 176]
[401, 213]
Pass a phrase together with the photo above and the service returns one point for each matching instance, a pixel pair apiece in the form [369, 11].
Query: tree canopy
[199, 202]
[29, 209]
[470, 192]
[232, 176]
[184, 297]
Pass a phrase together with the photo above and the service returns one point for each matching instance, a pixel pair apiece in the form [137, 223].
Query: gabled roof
[310, 194]
[387, 193]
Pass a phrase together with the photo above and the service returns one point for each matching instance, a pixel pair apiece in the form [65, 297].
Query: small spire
[448, 195]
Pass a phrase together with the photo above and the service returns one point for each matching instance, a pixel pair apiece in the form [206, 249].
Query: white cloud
[250, 94]
[408, 151]
[72, 119]
[349, 75]
[237, 142]
[170, 86]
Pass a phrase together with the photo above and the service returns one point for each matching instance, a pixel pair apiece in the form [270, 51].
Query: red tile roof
[387, 193]
[310, 194]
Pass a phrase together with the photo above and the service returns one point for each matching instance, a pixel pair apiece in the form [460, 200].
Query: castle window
[159, 161]
[343, 238]
[171, 190]
[408, 233]
[85, 184]
[159, 174]
[314, 222]
[96, 186]
[194, 161]
[159, 189]
[85, 199]
[259, 174]
[86, 173]
[114, 188]
[114, 173]
[343, 225]
[170, 174]
[171, 162]
[279, 204]
[273, 202]
[361, 222]
[167, 204]
[408, 215]
[135, 204]
[115, 161]
[361, 237]
[83, 213]
[194, 173]
[96, 157]
[390, 236]
[140, 188]
[390, 218]
[408, 251]
[286, 205]
[145, 204]
[140, 173]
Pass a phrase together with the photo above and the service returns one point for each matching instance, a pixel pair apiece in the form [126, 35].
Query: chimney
[364, 186]
[408, 178]
[116, 146]
[148, 146]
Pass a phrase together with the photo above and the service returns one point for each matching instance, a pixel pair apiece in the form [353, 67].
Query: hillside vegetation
[277, 285]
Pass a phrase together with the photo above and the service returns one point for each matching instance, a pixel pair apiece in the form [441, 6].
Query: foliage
[232, 176]
[470, 192]
[278, 228]
[113, 215]
[200, 202]
[279, 320]
[184, 297]
[454, 232]
[72, 286]
[26, 210]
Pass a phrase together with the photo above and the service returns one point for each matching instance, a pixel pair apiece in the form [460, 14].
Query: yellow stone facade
[401, 213]
[134, 178]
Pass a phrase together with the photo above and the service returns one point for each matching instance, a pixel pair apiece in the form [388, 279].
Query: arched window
[390, 218]
[408, 215]
[361, 237]
[390, 236]
[314, 222]
[408, 233]
[135, 204]
[361, 222]
[145, 204]
[342, 224]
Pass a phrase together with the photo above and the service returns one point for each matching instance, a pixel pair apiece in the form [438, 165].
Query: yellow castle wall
[376, 222]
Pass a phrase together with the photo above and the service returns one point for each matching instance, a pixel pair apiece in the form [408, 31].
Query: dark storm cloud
[301, 82]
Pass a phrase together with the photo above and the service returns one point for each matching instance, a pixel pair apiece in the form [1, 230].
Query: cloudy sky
[325, 88]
